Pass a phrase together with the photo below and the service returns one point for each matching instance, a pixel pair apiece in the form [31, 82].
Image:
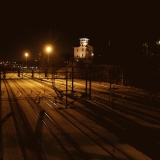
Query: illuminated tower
[84, 42]
[84, 52]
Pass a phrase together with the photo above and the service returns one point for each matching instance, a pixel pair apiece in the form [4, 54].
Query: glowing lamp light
[48, 49]
[26, 54]
[158, 42]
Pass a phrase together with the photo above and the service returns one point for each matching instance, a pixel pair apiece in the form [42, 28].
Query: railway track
[118, 119]
[28, 146]
[131, 107]
[138, 115]
[67, 144]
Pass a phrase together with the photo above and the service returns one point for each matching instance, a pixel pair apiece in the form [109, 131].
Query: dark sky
[28, 26]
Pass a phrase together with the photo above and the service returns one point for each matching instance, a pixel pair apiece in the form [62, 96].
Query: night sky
[28, 26]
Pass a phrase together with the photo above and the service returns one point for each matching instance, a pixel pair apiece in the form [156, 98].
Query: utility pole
[0, 87]
[90, 80]
[66, 87]
[110, 85]
[86, 95]
[53, 75]
[72, 77]
[88, 75]
[1, 155]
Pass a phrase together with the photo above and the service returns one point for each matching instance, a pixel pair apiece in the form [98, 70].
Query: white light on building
[84, 51]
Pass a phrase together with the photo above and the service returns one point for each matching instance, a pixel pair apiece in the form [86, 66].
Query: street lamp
[26, 55]
[48, 49]
[158, 42]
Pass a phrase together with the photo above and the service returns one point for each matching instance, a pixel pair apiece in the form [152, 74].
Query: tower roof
[83, 41]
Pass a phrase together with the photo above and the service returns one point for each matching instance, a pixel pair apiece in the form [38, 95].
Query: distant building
[84, 52]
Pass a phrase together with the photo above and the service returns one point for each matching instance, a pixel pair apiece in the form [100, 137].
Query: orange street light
[48, 50]
[26, 55]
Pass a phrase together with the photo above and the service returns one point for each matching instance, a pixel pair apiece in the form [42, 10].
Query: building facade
[84, 51]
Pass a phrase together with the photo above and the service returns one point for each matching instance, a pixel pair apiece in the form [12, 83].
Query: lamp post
[26, 55]
[157, 53]
[48, 49]
[145, 50]
[158, 44]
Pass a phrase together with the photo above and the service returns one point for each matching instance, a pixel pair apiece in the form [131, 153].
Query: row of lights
[157, 42]
[48, 49]
[146, 45]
